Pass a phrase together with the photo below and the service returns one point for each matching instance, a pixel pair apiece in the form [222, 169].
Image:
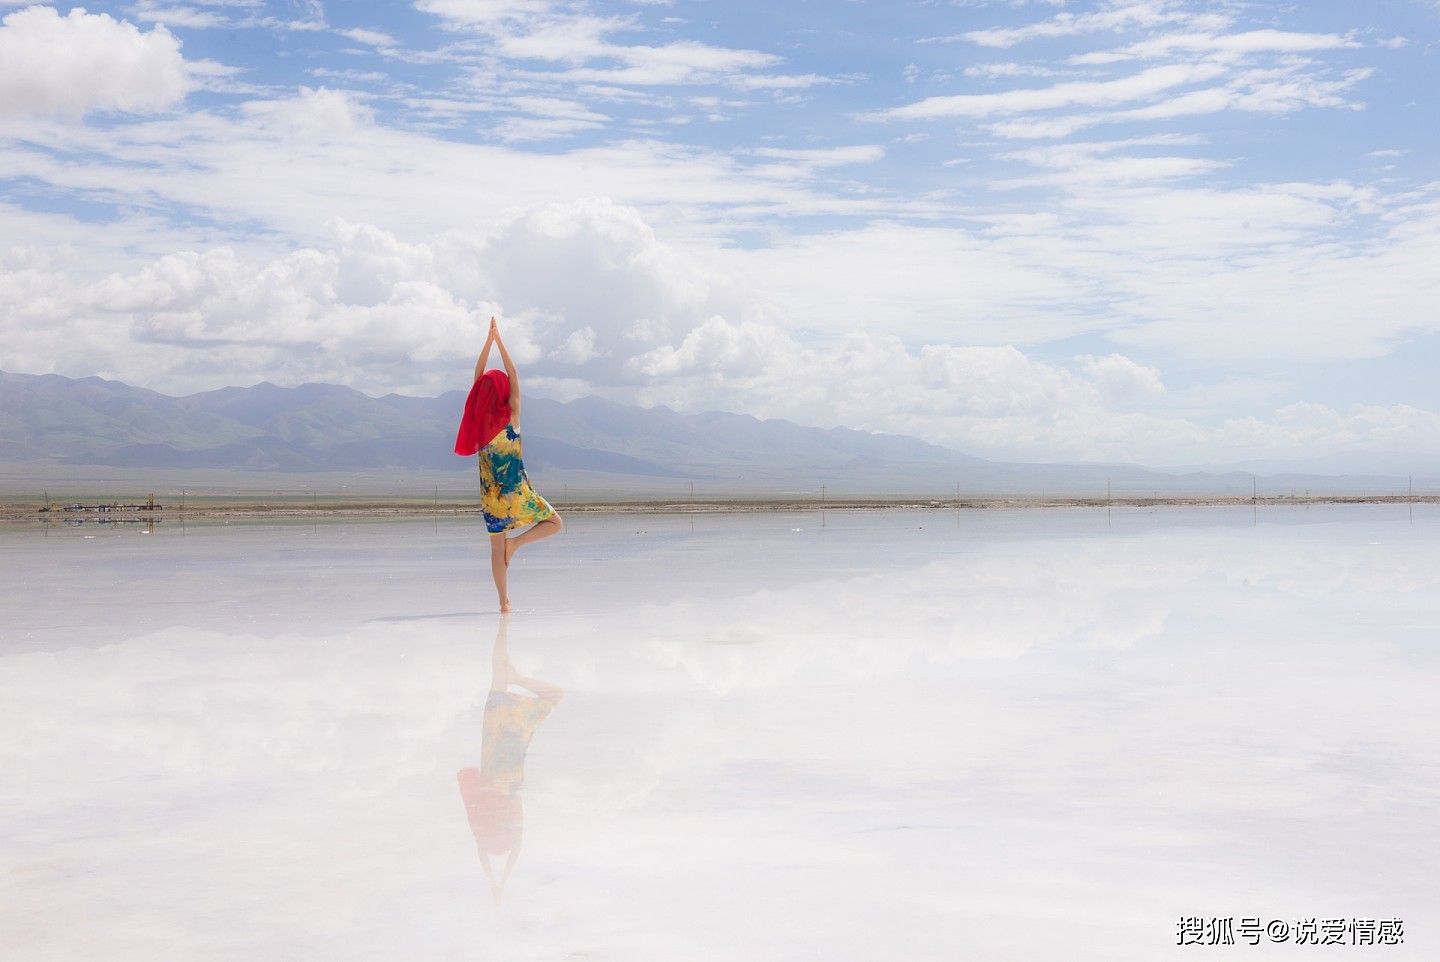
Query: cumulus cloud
[582, 284]
[595, 302]
[1117, 376]
[315, 110]
[949, 284]
[70, 65]
[359, 315]
[592, 301]
[1303, 427]
[1052, 301]
[577, 348]
[718, 350]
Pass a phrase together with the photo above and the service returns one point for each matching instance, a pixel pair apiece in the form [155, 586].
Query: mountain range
[330, 428]
[319, 427]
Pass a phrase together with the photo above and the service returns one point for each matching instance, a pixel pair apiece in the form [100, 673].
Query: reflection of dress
[491, 793]
[506, 497]
[510, 720]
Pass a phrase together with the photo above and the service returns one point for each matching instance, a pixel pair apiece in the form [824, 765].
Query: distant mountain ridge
[318, 427]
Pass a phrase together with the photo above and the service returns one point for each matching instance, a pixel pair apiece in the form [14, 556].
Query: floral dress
[506, 497]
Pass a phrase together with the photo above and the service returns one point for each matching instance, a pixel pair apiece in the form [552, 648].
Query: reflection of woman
[491, 426]
[491, 793]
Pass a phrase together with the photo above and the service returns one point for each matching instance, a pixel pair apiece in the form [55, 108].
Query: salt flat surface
[1034, 735]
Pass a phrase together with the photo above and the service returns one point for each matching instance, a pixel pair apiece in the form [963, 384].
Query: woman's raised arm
[509, 372]
[484, 354]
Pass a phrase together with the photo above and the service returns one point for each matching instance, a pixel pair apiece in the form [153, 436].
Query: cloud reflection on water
[868, 740]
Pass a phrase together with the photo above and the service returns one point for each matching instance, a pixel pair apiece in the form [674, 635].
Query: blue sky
[1163, 231]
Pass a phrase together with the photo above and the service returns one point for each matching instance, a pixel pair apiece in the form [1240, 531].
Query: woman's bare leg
[543, 529]
[499, 559]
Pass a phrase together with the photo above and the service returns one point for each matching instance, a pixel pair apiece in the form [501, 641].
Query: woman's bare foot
[505, 606]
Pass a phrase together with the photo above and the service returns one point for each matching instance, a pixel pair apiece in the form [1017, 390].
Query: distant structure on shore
[111, 512]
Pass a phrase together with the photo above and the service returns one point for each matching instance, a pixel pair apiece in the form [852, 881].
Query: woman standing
[491, 426]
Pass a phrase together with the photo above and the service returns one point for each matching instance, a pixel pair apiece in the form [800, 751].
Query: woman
[491, 425]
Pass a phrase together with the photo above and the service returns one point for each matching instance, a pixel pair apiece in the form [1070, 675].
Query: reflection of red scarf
[487, 411]
[495, 816]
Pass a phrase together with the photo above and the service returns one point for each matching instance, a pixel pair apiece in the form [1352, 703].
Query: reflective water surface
[997, 735]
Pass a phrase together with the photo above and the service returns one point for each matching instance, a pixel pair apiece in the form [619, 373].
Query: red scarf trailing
[487, 411]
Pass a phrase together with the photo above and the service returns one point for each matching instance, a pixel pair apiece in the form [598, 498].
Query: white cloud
[946, 284]
[1083, 93]
[482, 12]
[572, 281]
[598, 265]
[1106, 162]
[1301, 428]
[717, 348]
[1117, 376]
[570, 40]
[589, 295]
[71, 65]
[826, 156]
[1227, 46]
[1259, 70]
[578, 348]
[177, 15]
[315, 110]
[227, 169]
[550, 117]
[513, 130]
[374, 38]
[1279, 91]
[556, 107]
[996, 70]
[594, 302]
[784, 267]
[355, 314]
[590, 49]
[687, 62]
[1275, 91]
[1121, 170]
[993, 401]
[747, 81]
[1110, 16]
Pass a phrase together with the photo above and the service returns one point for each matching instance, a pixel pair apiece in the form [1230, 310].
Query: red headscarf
[487, 411]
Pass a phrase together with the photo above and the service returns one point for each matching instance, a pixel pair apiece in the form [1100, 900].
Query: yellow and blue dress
[506, 497]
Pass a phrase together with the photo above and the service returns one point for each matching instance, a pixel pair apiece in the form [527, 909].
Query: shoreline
[20, 512]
